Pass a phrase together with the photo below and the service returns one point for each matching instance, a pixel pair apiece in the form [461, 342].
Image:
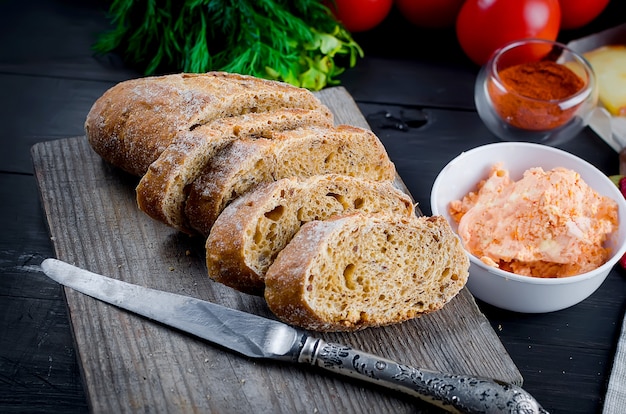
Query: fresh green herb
[299, 41]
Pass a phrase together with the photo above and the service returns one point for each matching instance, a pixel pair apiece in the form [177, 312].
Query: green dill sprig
[298, 42]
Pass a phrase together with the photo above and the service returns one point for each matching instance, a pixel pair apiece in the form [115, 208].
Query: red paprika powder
[530, 95]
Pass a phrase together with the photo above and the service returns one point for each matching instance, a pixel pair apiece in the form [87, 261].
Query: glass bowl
[515, 108]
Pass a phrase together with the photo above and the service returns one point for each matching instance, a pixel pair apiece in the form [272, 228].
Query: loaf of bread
[292, 207]
[250, 232]
[303, 152]
[134, 121]
[358, 271]
[162, 194]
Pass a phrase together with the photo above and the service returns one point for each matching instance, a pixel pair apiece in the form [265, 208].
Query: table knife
[258, 337]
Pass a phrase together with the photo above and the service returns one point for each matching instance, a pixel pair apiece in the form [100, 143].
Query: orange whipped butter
[547, 224]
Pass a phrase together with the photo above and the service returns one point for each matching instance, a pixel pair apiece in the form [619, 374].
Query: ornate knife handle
[454, 393]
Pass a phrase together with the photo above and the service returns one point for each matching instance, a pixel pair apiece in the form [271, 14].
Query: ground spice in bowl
[535, 95]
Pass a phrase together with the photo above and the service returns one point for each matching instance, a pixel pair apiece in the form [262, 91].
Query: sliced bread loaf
[250, 232]
[135, 120]
[161, 193]
[303, 152]
[359, 271]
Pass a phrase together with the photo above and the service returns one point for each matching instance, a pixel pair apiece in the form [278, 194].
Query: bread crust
[250, 232]
[359, 271]
[133, 122]
[245, 163]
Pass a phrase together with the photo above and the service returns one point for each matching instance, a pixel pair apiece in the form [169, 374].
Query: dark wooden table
[415, 88]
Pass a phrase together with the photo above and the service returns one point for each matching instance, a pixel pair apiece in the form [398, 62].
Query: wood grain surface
[130, 364]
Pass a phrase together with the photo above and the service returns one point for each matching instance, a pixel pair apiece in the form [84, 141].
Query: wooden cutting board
[130, 364]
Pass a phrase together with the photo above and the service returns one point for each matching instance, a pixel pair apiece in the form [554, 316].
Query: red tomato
[430, 13]
[360, 15]
[483, 26]
[577, 13]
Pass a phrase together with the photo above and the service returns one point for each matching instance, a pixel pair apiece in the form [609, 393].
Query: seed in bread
[135, 120]
[161, 193]
[359, 271]
[303, 152]
[251, 231]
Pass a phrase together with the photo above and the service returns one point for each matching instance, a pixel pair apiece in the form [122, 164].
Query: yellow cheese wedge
[609, 65]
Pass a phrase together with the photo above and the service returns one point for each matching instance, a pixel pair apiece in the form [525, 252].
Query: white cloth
[615, 401]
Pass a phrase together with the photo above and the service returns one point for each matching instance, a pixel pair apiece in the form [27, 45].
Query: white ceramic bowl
[504, 289]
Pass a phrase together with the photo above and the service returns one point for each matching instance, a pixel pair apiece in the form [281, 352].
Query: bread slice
[359, 271]
[161, 192]
[303, 152]
[135, 120]
[250, 232]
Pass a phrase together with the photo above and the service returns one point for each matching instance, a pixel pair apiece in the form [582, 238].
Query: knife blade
[258, 337]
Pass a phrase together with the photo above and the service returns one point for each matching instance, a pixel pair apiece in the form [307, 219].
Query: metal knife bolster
[454, 393]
